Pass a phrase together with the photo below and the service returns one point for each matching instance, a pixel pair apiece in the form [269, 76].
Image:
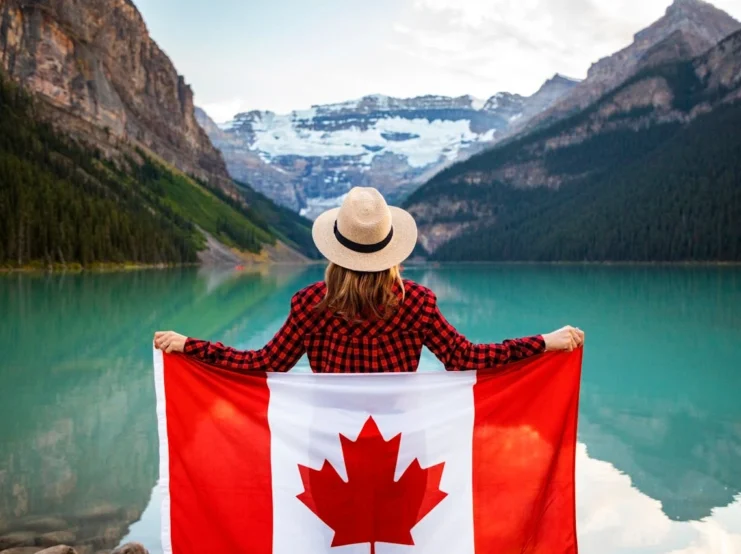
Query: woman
[363, 317]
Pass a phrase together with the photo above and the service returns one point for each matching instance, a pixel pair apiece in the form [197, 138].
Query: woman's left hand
[169, 341]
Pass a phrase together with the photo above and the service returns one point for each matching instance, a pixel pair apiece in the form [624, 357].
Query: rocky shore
[130, 548]
[98, 531]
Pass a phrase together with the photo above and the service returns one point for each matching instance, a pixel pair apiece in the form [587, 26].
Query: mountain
[691, 26]
[64, 203]
[248, 166]
[101, 74]
[648, 172]
[110, 135]
[307, 160]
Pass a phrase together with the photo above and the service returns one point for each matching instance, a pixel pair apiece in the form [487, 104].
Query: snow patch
[278, 135]
[477, 103]
[316, 206]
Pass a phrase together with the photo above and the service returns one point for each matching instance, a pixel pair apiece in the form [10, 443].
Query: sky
[282, 55]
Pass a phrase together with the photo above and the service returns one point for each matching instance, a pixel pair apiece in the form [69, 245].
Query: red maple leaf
[370, 506]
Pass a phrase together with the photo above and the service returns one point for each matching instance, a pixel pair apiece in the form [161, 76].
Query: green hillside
[63, 203]
[678, 199]
[635, 184]
[287, 225]
[598, 153]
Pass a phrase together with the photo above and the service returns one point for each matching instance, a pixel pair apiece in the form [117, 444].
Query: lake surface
[659, 455]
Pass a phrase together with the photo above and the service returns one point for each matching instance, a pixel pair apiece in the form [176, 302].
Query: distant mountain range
[466, 167]
[650, 170]
[101, 152]
[307, 160]
[101, 149]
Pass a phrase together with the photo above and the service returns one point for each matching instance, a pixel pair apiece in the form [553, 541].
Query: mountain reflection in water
[659, 460]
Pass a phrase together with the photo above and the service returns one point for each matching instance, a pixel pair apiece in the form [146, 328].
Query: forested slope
[62, 202]
[679, 201]
[649, 172]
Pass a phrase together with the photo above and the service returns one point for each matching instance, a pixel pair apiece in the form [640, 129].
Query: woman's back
[336, 344]
[363, 317]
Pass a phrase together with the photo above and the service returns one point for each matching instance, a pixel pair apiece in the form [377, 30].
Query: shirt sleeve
[457, 353]
[280, 354]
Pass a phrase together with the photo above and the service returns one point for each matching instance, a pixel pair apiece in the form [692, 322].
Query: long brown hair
[357, 295]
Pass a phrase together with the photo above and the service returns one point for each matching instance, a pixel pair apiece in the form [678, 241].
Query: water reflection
[616, 517]
[77, 424]
[659, 467]
[662, 363]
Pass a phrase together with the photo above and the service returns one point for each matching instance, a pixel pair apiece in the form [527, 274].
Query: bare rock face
[688, 29]
[93, 60]
[42, 524]
[61, 549]
[677, 46]
[57, 537]
[17, 538]
[131, 548]
[648, 100]
[720, 68]
[247, 166]
[549, 94]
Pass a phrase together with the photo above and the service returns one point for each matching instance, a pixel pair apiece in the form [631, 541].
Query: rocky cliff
[308, 159]
[247, 165]
[610, 135]
[687, 29]
[97, 76]
[104, 79]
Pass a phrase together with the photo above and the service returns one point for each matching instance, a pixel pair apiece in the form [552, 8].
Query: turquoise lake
[659, 455]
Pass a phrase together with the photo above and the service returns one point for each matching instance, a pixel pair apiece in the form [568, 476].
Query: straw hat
[365, 234]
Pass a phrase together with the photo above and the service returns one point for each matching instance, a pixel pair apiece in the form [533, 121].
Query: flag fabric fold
[382, 463]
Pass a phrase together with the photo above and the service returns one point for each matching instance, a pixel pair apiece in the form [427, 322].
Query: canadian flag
[383, 463]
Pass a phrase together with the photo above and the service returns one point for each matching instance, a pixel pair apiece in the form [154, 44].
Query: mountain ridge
[579, 152]
[95, 62]
[111, 94]
[702, 26]
[308, 159]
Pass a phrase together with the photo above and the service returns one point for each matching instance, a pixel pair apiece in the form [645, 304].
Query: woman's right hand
[565, 338]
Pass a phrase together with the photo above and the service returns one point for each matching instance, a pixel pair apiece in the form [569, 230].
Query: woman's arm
[280, 354]
[458, 353]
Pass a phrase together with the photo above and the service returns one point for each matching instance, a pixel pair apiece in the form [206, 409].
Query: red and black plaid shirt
[335, 345]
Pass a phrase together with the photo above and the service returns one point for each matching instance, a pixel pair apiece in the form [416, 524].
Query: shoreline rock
[57, 537]
[17, 538]
[129, 548]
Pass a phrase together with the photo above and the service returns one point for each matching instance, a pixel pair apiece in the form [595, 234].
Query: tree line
[59, 203]
[62, 202]
[678, 201]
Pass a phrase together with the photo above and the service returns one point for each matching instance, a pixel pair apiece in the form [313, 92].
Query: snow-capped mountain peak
[383, 141]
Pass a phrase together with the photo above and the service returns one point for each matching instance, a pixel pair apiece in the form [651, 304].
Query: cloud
[396, 47]
[515, 45]
[612, 511]
[224, 110]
